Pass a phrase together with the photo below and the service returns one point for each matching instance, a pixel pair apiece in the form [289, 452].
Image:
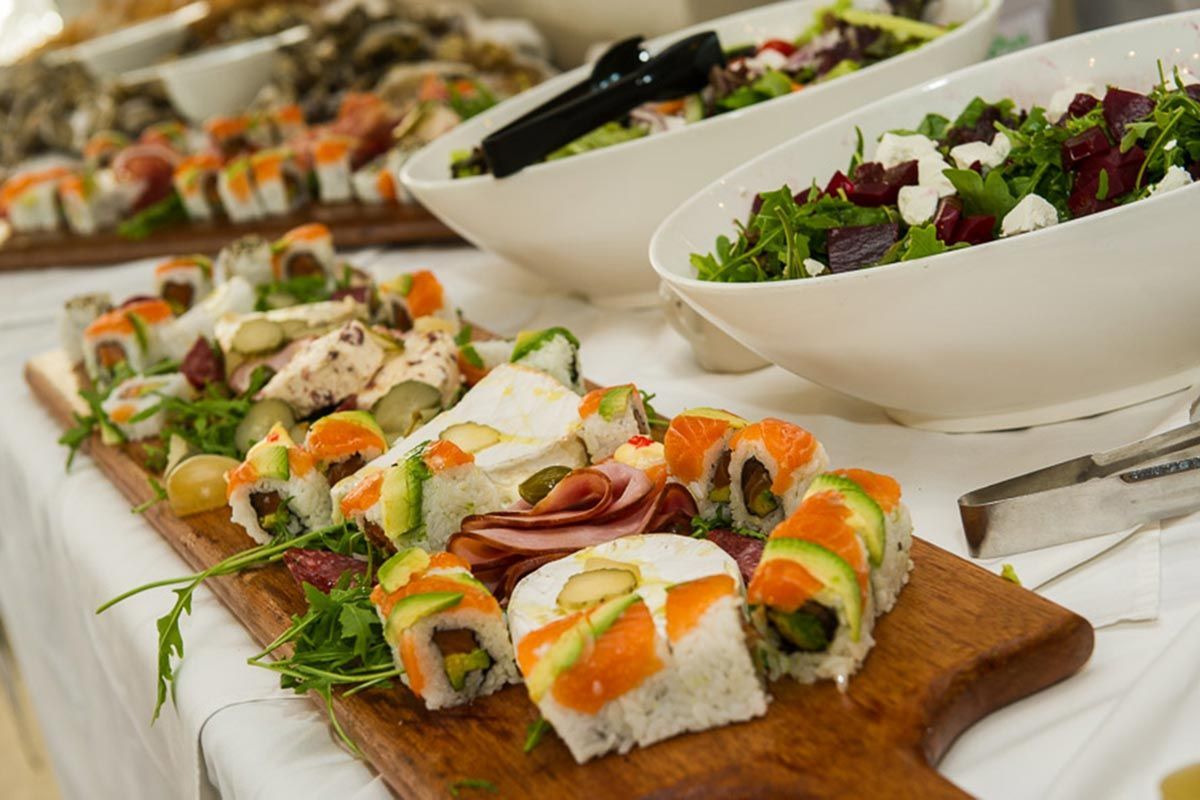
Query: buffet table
[69, 542]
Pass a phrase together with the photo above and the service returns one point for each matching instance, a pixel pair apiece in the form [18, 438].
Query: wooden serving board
[960, 644]
[353, 225]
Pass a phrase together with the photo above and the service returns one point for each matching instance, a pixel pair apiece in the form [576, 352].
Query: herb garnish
[534, 733]
[472, 783]
[160, 494]
[702, 526]
[166, 212]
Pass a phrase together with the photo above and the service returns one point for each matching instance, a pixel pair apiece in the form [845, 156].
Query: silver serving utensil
[1089, 496]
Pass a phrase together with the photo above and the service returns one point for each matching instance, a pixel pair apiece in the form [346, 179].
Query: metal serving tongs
[1090, 496]
[681, 68]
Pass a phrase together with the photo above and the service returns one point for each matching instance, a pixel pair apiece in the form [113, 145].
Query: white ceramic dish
[1073, 320]
[138, 45]
[584, 222]
[224, 80]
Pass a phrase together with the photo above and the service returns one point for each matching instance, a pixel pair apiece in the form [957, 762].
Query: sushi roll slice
[811, 601]
[374, 184]
[130, 406]
[394, 161]
[183, 281]
[343, 442]
[280, 184]
[74, 318]
[102, 148]
[287, 122]
[168, 133]
[427, 358]
[250, 258]
[128, 335]
[445, 628]
[414, 296]
[277, 490]
[770, 466]
[421, 499]
[889, 543]
[236, 189]
[696, 447]
[642, 452]
[554, 351]
[90, 201]
[229, 136]
[634, 641]
[234, 296]
[31, 200]
[326, 370]
[196, 182]
[610, 418]
[331, 162]
[303, 252]
[476, 359]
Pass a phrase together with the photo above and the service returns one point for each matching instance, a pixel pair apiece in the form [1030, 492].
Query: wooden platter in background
[353, 225]
[960, 644]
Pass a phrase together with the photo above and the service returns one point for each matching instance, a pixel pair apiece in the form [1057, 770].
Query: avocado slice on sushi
[459, 665]
[529, 341]
[614, 402]
[567, 648]
[837, 576]
[414, 608]
[401, 495]
[715, 413]
[270, 462]
[399, 569]
[867, 516]
[810, 628]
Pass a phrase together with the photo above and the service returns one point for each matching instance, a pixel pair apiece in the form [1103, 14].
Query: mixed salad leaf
[946, 184]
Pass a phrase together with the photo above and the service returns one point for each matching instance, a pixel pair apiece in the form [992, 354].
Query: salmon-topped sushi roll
[374, 184]
[31, 199]
[770, 466]
[414, 296]
[235, 185]
[90, 201]
[195, 180]
[102, 147]
[229, 136]
[288, 122]
[609, 418]
[281, 185]
[277, 492]
[128, 335]
[422, 499]
[331, 161]
[343, 443]
[696, 447]
[810, 598]
[304, 252]
[183, 281]
[445, 628]
[171, 134]
[135, 405]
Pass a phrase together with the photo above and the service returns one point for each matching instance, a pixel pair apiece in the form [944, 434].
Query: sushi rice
[277, 472]
[130, 334]
[696, 448]
[609, 418]
[775, 461]
[137, 395]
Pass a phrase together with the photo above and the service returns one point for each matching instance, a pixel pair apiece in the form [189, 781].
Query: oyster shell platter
[960, 644]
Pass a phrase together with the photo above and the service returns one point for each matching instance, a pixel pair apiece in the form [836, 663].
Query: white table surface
[68, 542]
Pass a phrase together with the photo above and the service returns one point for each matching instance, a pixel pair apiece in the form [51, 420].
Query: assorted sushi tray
[419, 515]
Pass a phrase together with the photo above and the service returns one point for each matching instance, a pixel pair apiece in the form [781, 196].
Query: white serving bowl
[584, 222]
[224, 80]
[1080, 318]
[138, 45]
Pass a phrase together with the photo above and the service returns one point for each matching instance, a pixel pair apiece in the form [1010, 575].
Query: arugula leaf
[534, 733]
[160, 494]
[471, 356]
[164, 213]
[464, 334]
[606, 135]
[990, 195]
[472, 783]
[303, 289]
[920, 242]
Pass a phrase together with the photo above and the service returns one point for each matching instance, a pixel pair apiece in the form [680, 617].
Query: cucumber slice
[406, 406]
[261, 417]
[593, 587]
[257, 336]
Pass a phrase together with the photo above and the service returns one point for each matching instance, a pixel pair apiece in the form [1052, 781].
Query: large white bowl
[137, 45]
[1073, 320]
[584, 222]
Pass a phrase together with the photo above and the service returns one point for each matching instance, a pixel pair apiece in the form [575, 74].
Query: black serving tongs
[680, 69]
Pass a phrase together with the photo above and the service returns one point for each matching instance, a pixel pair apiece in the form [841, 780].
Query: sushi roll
[374, 184]
[554, 351]
[394, 161]
[888, 543]
[196, 181]
[236, 189]
[277, 490]
[169, 133]
[281, 186]
[427, 358]
[287, 122]
[229, 136]
[303, 252]
[75, 316]
[445, 628]
[234, 296]
[343, 442]
[413, 296]
[421, 499]
[249, 258]
[31, 200]
[642, 452]
[770, 466]
[609, 418]
[102, 148]
[811, 601]
[331, 162]
[476, 359]
[183, 281]
[326, 370]
[87, 201]
[132, 406]
[696, 447]
[128, 335]
[634, 641]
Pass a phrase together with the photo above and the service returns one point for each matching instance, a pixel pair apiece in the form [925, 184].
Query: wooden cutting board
[353, 225]
[960, 644]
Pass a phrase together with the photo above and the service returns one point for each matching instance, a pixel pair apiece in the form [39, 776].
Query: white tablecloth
[68, 542]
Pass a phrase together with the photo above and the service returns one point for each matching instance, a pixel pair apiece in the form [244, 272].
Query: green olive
[538, 485]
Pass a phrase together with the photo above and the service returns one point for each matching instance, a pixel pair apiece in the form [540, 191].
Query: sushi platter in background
[695, 601]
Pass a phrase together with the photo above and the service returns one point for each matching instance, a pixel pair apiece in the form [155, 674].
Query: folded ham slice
[589, 506]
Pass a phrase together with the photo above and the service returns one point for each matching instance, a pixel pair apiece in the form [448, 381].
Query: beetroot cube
[1082, 146]
[945, 219]
[975, 230]
[1122, 107]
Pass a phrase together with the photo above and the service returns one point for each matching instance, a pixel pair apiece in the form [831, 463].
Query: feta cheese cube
[989, 156]
[1060, 101]
[1032, 213]
[768, 59]
[917, 204]
[1176, 178]
[813, 267]
[896, 148]
[931, 172]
